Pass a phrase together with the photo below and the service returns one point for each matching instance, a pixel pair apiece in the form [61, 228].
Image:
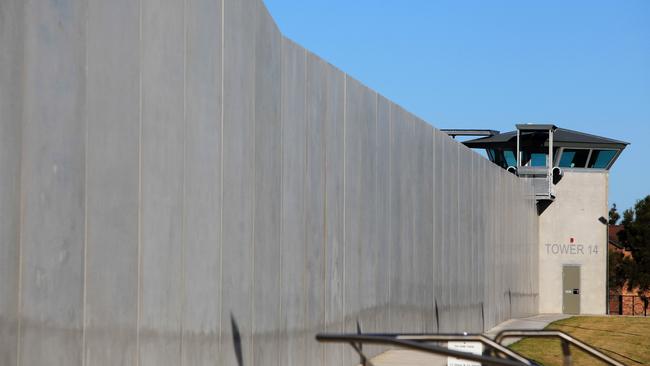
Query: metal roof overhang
[469, 132]
[562, 138]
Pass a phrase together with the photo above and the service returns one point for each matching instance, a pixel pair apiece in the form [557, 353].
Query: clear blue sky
[583, 65]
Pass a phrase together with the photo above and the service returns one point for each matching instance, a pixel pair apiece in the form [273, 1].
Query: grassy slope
[626, 339]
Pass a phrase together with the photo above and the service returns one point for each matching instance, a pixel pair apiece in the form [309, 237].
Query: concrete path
[401, 357]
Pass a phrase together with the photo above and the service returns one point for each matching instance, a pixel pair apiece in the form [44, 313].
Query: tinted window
[600, 158]
[503, 158]
[538, 159]
[511, 159]
[574, 158]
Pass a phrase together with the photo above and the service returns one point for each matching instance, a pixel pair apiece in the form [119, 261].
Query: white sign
[475, 348]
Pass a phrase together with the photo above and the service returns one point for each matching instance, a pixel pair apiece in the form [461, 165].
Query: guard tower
[542, 152]
[572, 211]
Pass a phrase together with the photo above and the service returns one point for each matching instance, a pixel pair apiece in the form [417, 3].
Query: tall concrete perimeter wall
[174, 171]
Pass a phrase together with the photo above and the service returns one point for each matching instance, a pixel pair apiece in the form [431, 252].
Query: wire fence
[628, 305]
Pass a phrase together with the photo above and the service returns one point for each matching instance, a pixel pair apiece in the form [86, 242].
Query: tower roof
[562, 137]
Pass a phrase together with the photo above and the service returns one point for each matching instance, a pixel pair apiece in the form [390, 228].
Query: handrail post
[566, 353]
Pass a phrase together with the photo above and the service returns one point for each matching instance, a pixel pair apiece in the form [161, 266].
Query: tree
[636, 237]
[617, 271]
[614, 216]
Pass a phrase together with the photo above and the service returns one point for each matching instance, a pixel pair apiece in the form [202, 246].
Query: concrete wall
[185, 186]
[581, 200]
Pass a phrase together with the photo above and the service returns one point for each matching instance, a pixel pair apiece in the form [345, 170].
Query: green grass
[626, 339]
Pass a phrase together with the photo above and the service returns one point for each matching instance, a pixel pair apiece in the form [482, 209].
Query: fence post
[620, 304]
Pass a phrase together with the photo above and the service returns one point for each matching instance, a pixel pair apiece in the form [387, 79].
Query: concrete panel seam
[21, 221]
[433, 220]
[390, 208]
[183, 188]
[252, 218]
[223, 47]
[84, 280]
[345, 128]
[324, 269]
[21, 218]
[281, 231]
[375, 180]
[304, 193]
[140, 102]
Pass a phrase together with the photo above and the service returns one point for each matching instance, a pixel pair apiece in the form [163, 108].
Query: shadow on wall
[236, 341]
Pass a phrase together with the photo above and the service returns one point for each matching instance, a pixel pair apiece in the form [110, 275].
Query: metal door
[571, 289]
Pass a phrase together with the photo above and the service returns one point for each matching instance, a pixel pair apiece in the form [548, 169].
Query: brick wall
[627, 305]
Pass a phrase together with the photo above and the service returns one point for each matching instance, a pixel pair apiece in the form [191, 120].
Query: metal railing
[495, 353]
[356, 341]
[565, 339]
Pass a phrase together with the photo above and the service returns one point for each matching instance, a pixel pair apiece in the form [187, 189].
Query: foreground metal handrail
[565, 340]
[409, 341]
[415, 342]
